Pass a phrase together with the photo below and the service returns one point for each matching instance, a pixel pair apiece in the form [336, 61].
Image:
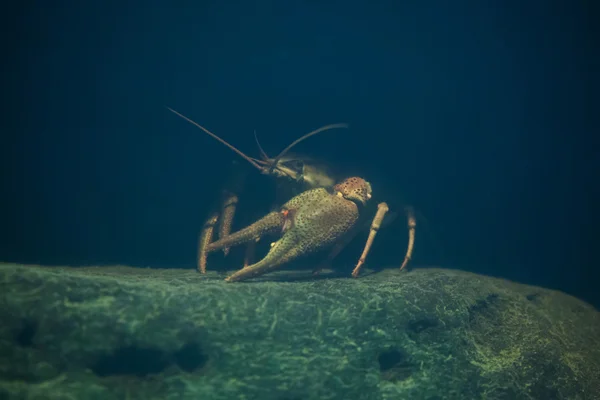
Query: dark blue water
[477, 113]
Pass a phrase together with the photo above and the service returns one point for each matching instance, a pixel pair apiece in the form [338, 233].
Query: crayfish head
[355, 189]
[303, 170]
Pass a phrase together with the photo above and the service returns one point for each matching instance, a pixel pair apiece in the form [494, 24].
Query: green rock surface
[135, 333]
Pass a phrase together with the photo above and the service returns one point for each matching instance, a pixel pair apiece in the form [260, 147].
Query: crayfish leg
[412, 224]
[205, 239]
[269, 224]
[281, 252]
[249, 254]
[228, 208]
[382, 209]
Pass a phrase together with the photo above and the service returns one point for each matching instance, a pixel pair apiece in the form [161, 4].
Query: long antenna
[244, 156]
[295, 142]
[262, 152]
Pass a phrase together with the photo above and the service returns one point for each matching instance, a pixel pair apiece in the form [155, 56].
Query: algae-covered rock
[133, 333]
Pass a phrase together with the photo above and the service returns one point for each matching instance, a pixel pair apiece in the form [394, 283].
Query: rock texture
[133, 333]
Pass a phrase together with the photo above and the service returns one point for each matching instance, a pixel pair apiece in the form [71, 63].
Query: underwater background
[477, 113]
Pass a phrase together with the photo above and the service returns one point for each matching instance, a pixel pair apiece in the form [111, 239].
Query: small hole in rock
[533, 296]
[388, 359]
[483, 307]
[394, 365]
[190, 357]
[24, 337]
[420, 325]
[132, 360]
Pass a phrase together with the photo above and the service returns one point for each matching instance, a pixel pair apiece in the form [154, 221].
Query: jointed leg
[249, 255]
[229, 206]
[412, 224]
[224, 218]
[282, 251]
[205, 239]
[382, 209]
[271, 223]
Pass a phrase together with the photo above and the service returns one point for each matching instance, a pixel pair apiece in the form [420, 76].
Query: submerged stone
[121, 332]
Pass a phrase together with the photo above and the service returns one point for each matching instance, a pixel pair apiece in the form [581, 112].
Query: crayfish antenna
[197, 125]
[263, 154]
[295, 142]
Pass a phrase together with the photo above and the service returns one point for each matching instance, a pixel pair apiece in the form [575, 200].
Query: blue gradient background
[476, 112]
